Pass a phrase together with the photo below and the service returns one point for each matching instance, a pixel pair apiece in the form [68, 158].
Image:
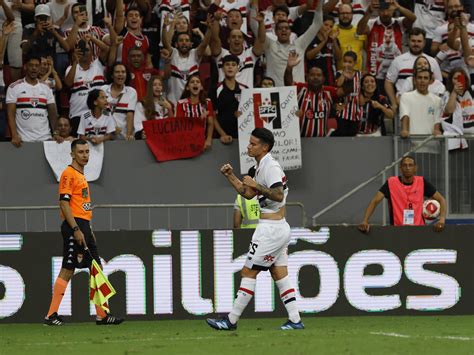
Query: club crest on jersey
[34, 102]
[147, 76]
[267, 110]
[138, 44]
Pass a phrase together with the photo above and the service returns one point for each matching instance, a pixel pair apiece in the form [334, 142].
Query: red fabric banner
[175, 138]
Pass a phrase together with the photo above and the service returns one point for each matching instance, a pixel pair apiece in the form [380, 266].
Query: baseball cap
[42, 10]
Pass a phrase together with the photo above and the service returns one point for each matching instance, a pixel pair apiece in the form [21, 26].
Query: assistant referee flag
[101, 288]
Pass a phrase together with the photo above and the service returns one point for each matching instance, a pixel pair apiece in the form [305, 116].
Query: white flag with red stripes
[275, 109]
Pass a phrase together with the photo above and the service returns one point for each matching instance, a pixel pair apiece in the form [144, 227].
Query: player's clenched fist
[227, 169]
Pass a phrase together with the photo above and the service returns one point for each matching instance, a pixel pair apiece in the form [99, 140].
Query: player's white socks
[244, 295]
[288, 297]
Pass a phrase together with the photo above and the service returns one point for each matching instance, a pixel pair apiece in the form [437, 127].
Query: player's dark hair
[351, 54]
[76, 142]
[76, 5]
[230, 58]
[277, 25]
[281, 8]
[234, 10]
[32, 56]
[182, 33]
[407, 157]
[423, 70]
[317, 67]
[265, 136]
[93, 95]
[415, 31]
[328, 18]
[268, 78]
[133, 8]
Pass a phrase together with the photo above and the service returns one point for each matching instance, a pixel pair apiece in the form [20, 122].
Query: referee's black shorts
[74, 255]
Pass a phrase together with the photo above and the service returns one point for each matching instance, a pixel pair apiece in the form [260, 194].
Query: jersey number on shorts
[252, 248]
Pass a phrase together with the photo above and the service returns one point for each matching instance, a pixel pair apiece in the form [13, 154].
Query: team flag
[274, 109]
[101, 288]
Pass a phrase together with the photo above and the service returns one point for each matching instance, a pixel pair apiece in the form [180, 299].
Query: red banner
[175, 138]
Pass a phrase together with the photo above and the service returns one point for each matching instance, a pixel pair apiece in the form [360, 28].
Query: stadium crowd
[97, 69]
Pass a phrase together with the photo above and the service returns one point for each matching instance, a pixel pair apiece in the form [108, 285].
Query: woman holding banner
[154, 106]
[194, 103]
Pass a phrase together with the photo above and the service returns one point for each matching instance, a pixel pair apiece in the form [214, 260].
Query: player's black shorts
[74, 255]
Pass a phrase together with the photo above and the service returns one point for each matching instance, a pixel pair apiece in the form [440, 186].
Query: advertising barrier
[194, 273]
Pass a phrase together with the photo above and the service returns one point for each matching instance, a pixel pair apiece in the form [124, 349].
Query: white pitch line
[448, 337]
[454, 338]
[396, 335]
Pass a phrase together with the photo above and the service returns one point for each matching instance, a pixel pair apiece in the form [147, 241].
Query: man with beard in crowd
[315, 101]
[402, 66]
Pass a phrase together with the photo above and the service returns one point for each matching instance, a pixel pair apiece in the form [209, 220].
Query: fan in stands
[431, 209]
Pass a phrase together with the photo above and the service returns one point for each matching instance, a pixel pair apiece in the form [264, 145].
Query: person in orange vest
[405, 195]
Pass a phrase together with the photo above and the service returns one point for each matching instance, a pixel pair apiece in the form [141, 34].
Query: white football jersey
[118, 108]
[181, 69]
[31, 103]
[247, 62]
[269, 174]
[84, 82]
[91, 126]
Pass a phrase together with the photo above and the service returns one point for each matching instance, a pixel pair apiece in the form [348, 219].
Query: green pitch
[323, 335]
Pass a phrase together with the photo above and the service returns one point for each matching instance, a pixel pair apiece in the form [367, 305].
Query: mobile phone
[461, 79]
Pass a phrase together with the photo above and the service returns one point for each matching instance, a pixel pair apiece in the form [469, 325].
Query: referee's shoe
[54, 320]
[109, 320]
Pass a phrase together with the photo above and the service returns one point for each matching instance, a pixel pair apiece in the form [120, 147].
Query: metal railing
[115, 223]
[437, 164]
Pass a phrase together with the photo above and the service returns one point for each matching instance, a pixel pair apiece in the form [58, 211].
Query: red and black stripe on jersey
[242, 10]
[31, 102]
[437, 6]
[316, 109]
[405, 73]
[95, 31]
[454, 57]
[444, 36]
[351, 101]
[119, 108]
[91, 130]
[167, 7]
[97, 81]
[247, 63]
[186, 109]
[184, 75]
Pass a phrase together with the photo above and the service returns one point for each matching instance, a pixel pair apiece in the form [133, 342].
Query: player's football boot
[292, 326]
[109, 320]
[54, 320]
[221, 324]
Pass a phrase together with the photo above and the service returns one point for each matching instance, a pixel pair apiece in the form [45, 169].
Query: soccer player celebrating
[76, 211]
[268, 249]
